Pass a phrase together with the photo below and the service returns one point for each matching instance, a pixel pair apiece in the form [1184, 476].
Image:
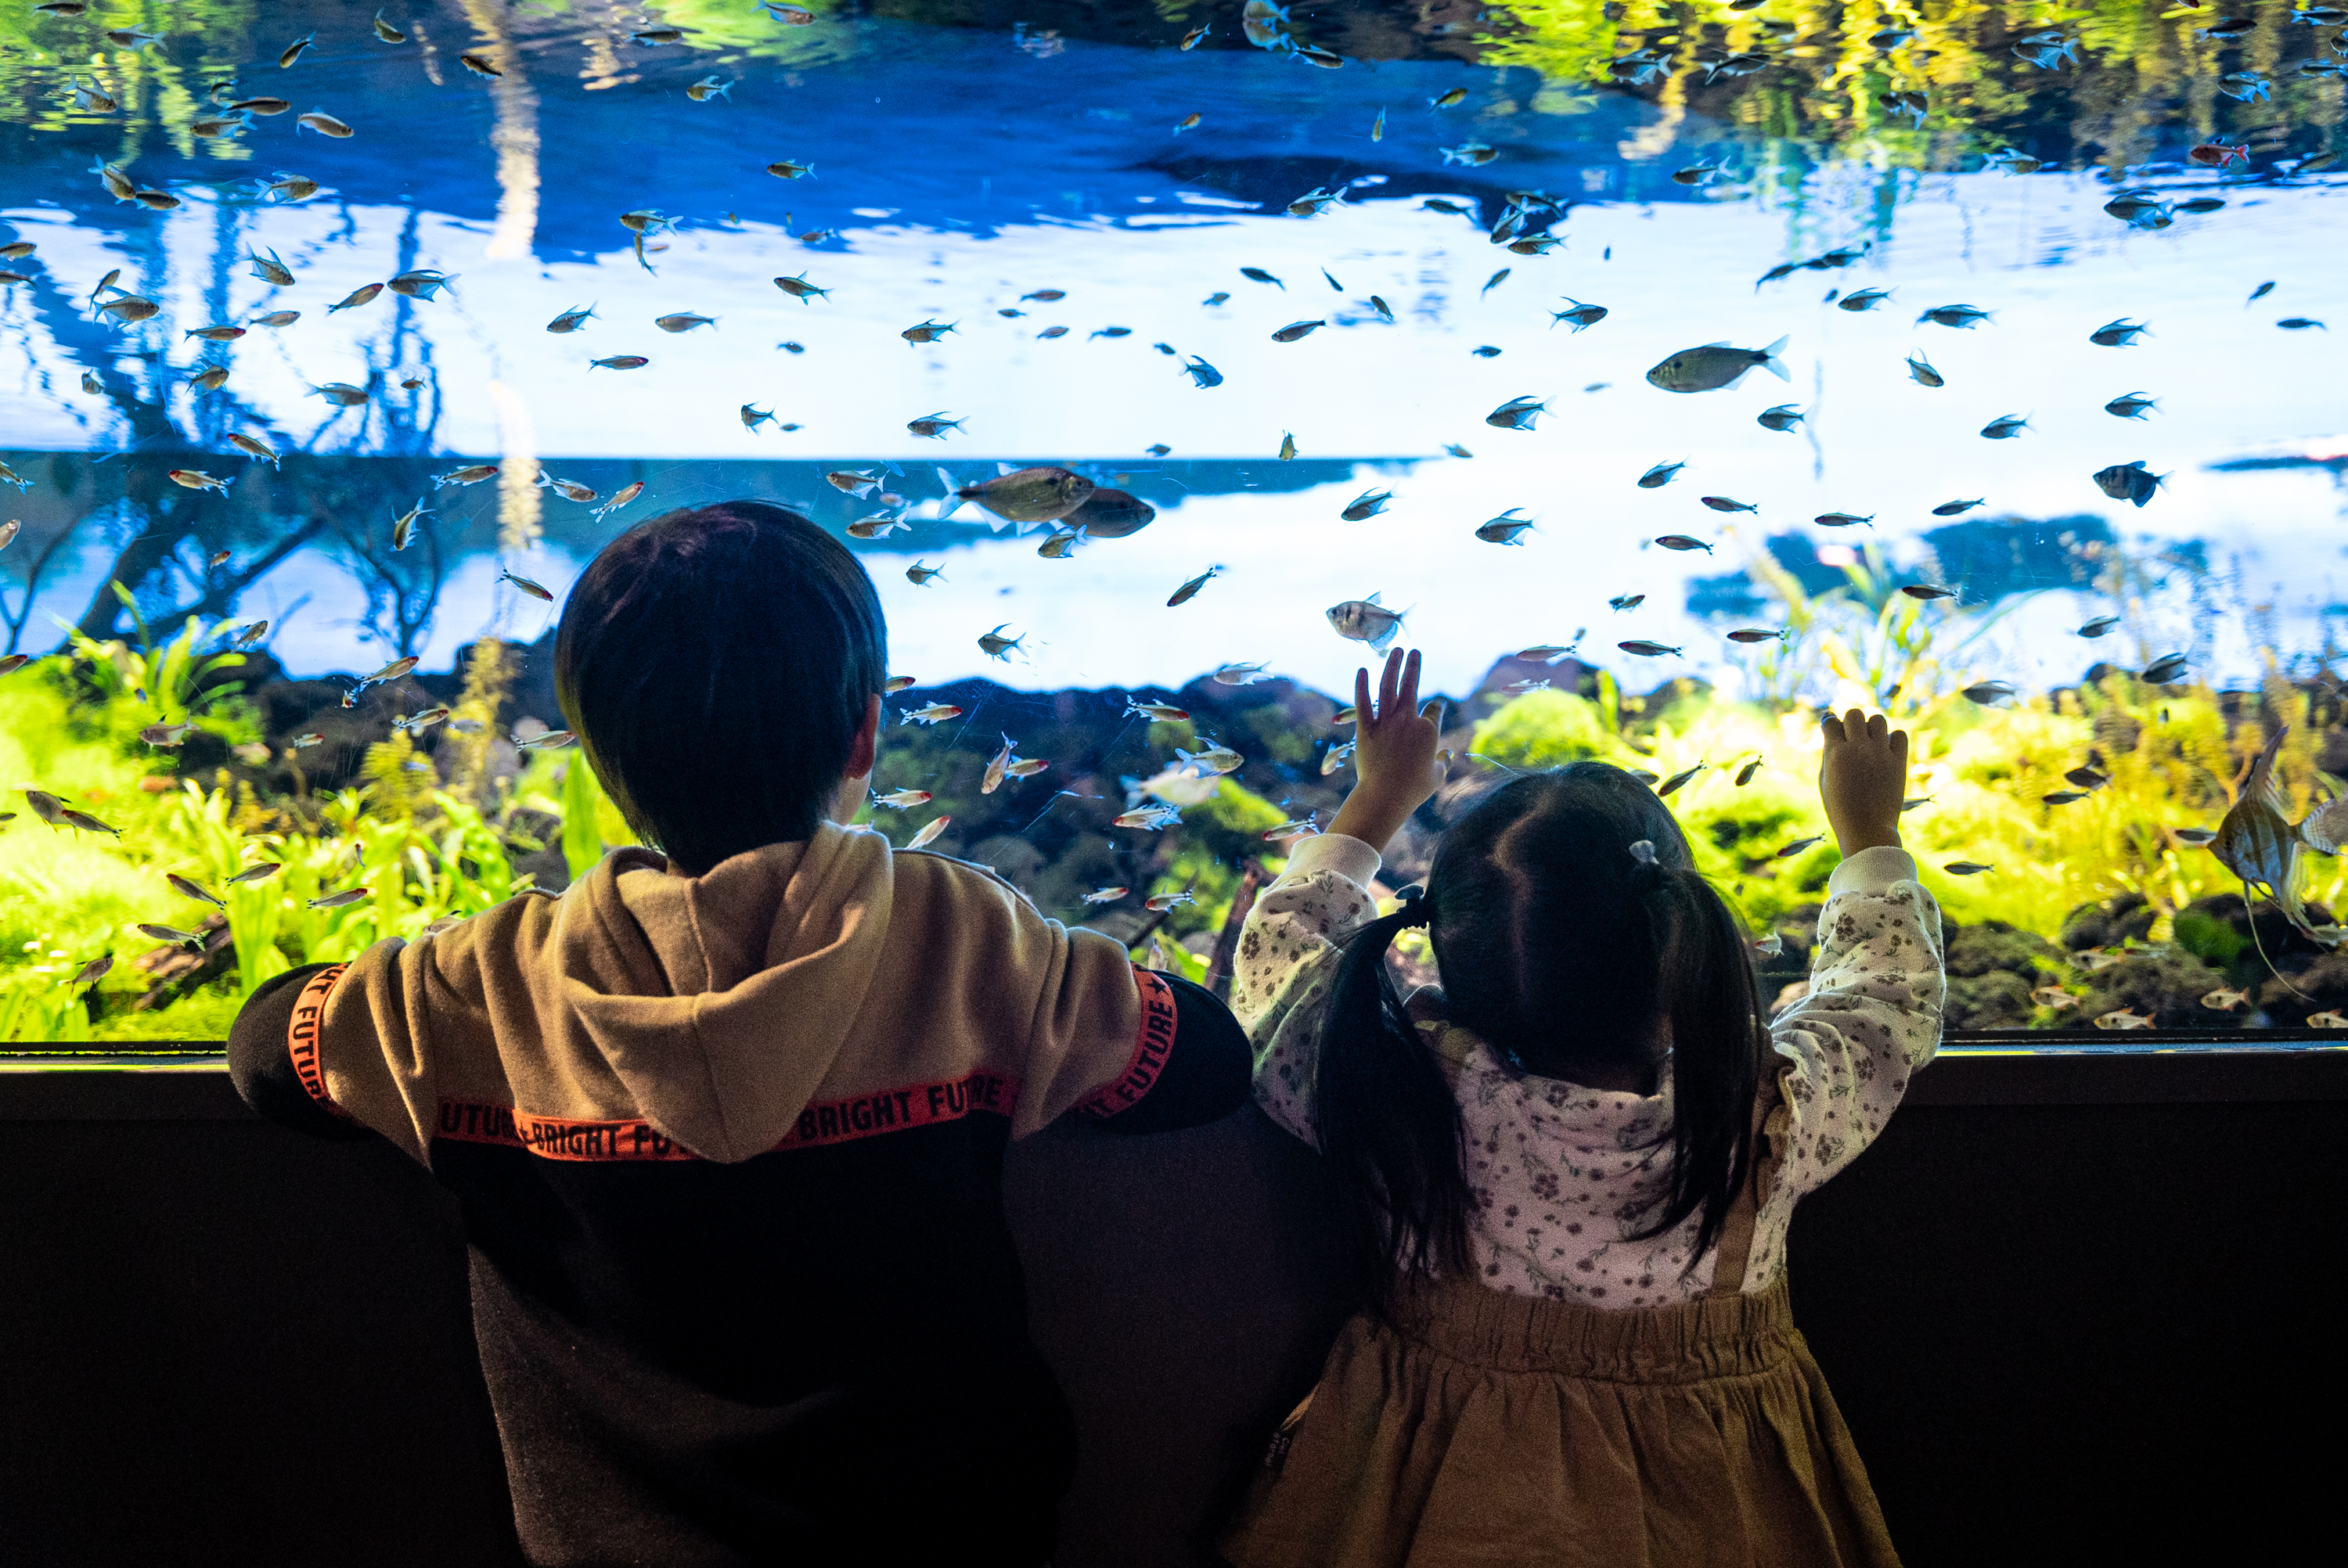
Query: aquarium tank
[1667, 373]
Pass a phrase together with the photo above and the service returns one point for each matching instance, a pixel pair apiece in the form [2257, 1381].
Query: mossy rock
[2166, 985]
[1989, 946]
[1989, 998]
[2320, 986]
[2126, 917]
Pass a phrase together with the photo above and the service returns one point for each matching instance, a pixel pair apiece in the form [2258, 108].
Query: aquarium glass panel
[1666, 374]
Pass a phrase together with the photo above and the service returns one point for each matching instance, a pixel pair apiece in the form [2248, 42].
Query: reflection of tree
[402, 589]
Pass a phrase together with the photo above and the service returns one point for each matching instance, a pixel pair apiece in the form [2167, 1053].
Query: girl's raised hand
[1394, 753]
[1862, 775]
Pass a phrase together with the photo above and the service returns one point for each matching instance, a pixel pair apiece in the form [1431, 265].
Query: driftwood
[174, 970]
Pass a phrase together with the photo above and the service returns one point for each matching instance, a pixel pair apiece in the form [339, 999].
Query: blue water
[957, 169]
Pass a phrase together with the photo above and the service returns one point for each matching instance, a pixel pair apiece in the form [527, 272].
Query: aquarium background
[1007, 172]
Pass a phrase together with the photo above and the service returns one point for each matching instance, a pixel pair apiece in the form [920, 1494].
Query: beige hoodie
[800, 994]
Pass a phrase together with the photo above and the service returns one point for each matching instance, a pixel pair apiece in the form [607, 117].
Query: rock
[1991, 999]
[1993, 945]
[2166, 984]
[2108, 924]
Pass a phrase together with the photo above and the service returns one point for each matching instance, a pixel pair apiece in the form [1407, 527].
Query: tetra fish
[1756, 634]
[252, 447]
[1366, 620]
[355, 298]
[1039, 495]
[1239, 675]
[1953, 508]
[1966, 868]
[932, 425]
[1725, 504]
[1683, 542]
[2128, 482]
[1159, 712]
[472, 475]
[2005, 427]
[996, 646]
[527, 587]
[2122, 1018]
[1800, 844]
[172, 934]
[1504, 529]
[2120, 334]
[710, 86]
[927, 332]
[903, 799]
[1365, 505]
[683, 321]
[1578, 313]
[1782, 418]
[196, 479]
[620, 362]
[935, 713]
[1842, 520]
[1202, 374]
[800, 289]
[1920, 370]
[324, 123]
[1926, 592]
[1646, 650]
[1153, 817]
[920, 575]
[1714, 365]
[1295, 329]
[1516, 414]
[341, 393]
[1626, 602]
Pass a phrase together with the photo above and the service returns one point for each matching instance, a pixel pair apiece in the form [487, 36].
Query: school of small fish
[2255, 841]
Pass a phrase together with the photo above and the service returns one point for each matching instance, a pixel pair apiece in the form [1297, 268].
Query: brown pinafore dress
[1497, 1429]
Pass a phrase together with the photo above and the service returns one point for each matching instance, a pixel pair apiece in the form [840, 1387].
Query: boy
[726, 1120]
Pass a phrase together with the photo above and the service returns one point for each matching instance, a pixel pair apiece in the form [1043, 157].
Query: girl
[1571, 1168]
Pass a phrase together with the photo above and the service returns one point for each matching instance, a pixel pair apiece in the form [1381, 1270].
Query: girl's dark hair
[1560, 948]
[716, 662]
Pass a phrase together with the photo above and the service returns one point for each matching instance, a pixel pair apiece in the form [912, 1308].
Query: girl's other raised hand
[1394, 753]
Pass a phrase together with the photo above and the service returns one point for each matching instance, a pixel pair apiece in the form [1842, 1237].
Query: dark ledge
[164, 1080]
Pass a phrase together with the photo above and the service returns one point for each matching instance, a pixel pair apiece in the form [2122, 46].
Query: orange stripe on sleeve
[1152, 1044]
[981, 1094]
[303, 1033]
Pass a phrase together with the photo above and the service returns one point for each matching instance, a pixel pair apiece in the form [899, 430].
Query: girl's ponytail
[1387, 1123]
[1717, 1035]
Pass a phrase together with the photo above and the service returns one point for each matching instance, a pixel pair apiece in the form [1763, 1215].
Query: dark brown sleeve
[1191, 1066]
[262, 1065]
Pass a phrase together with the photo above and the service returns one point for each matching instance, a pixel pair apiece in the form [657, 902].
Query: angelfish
[2259, 844]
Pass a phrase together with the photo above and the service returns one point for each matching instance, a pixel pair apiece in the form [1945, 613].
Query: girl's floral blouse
[1561, 1172]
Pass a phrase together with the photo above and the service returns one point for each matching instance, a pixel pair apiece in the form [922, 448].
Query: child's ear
[863, 751]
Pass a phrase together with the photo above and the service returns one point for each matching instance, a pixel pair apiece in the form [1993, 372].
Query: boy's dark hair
[1560, 949]
[716, 662]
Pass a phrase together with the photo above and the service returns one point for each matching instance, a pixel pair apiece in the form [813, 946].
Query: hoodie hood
[721, 1001]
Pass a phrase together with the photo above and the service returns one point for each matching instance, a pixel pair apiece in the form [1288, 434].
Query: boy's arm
[1205, 1075]
[261, 1059]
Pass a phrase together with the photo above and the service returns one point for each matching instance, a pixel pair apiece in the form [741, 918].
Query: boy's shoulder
[944, 875]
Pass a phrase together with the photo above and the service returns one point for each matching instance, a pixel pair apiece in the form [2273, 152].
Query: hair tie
[1413, 911]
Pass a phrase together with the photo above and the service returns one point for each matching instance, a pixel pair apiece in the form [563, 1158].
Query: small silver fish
[527, 587]
[1645, 649]
[1626, 602]
[1842, 520]
[1799, 845]
[1202, 374]
[1153, 817]
[1727, 504]
[903, 799]
[1580, 314]
[996, 646]
[1926, 592]
[1920, 370]
[710, 86]
[1966, 868]
[1504, 529]
[1366, 620]
[1863, 298]
[2120, 334]
[1157, 713]
[473, 474]
[1516, 414]
[2099, 626]
[1239, 676]
[1683, 542]
[1365, 505]
[1189, 590]
[1953, 508]
[1714, 365]
[2005, 427]
[2130, 405]
[932, 425]
[1295, 329]
[340, 900]
[935, 713]
[1964, 316]
[920, 575]
[1986, 691]
[324, 123]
